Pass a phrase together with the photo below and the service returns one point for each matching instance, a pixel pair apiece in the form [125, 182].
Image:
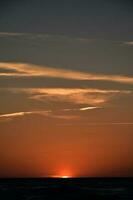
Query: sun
[61, 176]
[65, 176]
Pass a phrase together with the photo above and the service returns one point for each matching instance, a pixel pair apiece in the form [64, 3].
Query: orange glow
[58, 176]
[65, 177]
[63, 174]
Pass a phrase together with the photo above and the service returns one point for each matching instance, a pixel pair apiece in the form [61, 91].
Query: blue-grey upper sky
[112, 19]
[88, 35]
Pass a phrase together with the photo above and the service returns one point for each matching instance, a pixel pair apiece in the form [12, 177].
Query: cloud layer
[89, 96]
[30, 70]
[79, 99]
[64, 114]
[130, 43]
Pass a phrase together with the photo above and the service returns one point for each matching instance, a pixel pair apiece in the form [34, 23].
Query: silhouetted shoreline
[70, 188]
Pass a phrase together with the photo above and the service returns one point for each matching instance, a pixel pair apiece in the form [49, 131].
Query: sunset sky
[66, 88]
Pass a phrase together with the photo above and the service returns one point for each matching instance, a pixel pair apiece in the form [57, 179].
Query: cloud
[67, 117]
[110, 123]
[89, 96]
[10, 116]
[58, 114]
[10, 34]
[30, 70]
[130, 43]
[38, 36]
[61, 115]
[17, 114]
[88, 108]
[98, 124]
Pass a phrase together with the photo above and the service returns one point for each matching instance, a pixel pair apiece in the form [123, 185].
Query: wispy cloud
[98, 124]
[30, 70]
[44, 37]
[130, 43]
[10, 34]
[17, 114]
[62, 115]
[92, 97]
[11, 116]
[88, 108]
[58, 114]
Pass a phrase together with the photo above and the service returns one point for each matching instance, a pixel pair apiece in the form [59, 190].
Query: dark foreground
[77, 188]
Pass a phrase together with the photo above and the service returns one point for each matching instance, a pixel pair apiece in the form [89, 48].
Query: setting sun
[58, 176]
[65, 176]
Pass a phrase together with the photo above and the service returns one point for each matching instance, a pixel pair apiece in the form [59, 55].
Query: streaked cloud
[10, 116]
[89, 96]
[88, 108]
[130, 43]
[44, 37]
[52, 113]
[98, 124]
[10, 34]
[15, 114]
[58, 114]
[30, 70]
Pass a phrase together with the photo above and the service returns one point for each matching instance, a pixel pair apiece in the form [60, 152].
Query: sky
[66, 88]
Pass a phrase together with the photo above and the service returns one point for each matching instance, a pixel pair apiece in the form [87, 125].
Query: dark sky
[90, 18]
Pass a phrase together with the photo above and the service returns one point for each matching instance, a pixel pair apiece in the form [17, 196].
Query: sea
[69, 188]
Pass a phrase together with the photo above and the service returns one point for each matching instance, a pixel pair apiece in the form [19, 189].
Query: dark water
[77, 188]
